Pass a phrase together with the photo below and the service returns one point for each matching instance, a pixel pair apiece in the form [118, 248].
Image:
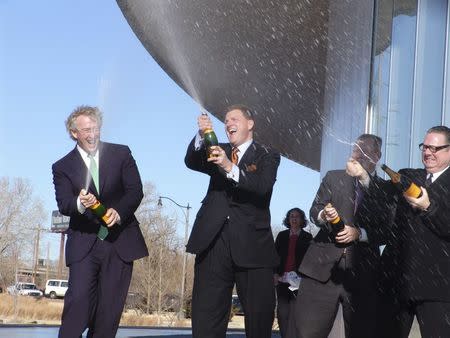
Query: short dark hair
[441, 130]
[372, 141]
[288, 214]
[248, 114]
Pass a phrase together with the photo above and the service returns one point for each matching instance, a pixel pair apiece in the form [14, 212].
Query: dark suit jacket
[245, 205]
[120, 188]
[338, 188]
[416, 259]
[282, 246]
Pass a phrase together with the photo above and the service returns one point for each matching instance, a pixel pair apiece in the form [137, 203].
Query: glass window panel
[446, 108]
[401, 90]
[428, 83]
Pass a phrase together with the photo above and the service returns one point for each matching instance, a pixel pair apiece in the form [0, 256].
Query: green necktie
[103, 231]
[93, 168]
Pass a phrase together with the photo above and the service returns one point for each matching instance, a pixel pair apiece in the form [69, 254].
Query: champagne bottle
[100, 211]
[403, 183]
[337, 224]
[210, 140]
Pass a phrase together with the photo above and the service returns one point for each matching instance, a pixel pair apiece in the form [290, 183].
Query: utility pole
[186, 234]
[36, 253]
[61, 255]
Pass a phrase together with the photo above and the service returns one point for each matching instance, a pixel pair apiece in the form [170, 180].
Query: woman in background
[291, 245]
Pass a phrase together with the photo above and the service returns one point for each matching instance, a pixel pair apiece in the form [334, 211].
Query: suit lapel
[81, 174]
[104, 160]
[248, 157]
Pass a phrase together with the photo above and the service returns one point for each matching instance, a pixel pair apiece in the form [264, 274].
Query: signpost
[60, 223]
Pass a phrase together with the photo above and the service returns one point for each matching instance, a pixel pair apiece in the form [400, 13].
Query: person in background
[416, 260]
[340, 265]
[99, 254]
[231, 236]
[291, 245]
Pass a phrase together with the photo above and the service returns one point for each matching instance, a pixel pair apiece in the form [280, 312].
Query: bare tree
[20, 214]
[156, 278]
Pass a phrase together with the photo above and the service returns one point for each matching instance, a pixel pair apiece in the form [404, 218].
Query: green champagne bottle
[100, 211]
[210, 140]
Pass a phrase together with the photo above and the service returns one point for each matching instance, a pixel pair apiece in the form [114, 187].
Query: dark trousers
[214, 279]
[396, 318]
[286, 311]
[98, 287]
[318, 303]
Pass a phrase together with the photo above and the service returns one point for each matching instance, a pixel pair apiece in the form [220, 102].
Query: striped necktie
[429, 180]
[234, 155]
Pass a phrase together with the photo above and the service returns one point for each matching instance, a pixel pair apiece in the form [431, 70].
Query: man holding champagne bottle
[416, 261]
[340, 264]
[231, 236]
[98, 185]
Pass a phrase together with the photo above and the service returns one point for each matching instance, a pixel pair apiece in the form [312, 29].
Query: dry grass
[22, 309]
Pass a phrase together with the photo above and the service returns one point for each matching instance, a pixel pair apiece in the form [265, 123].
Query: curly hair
[288, 214]
[92, 112]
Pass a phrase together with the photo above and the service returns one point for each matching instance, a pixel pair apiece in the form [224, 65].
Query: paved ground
[14, 331]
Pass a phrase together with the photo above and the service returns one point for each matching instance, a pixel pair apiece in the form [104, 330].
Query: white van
[56, 288]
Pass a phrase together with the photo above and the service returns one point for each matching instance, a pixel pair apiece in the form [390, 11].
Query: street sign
[60, 222]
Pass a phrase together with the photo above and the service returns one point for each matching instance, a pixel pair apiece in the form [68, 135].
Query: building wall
[347, 79]
[410, 76]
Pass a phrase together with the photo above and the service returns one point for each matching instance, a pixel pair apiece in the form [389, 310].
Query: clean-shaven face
[435, 162]
[295, 220]
[238, 128]
[87, 133]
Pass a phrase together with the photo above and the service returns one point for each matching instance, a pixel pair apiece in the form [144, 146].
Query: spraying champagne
[210, 139]
[403, 183]
[337, 224]
[99, 210]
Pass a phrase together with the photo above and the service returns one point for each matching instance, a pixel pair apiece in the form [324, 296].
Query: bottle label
[414, 191]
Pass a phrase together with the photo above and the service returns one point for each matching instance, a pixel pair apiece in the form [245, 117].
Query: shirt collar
[436, 175]
[243, 148]
[85, 155]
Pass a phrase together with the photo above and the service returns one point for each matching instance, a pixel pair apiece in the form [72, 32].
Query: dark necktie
[359, 193]
[234, 155]
[429, 180]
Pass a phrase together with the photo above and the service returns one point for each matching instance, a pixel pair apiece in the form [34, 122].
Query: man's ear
[74, 134]
[250, 124]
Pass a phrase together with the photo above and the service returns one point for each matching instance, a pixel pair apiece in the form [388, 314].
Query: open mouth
[232, 130]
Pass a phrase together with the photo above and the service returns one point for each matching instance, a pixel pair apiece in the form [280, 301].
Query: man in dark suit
[339, 266]
[99, 253]
[231, 236]
[416, 260]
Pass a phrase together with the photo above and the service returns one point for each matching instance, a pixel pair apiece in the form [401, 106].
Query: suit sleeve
[66, 197]
[261, 180]
[132, 186]
[323, 196]
[379, 205]
[437, 218]
[196, 159]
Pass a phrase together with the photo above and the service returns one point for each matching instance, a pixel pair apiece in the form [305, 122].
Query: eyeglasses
[90, 130]
[433, 149]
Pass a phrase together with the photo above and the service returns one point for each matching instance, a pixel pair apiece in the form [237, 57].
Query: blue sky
[56, 55]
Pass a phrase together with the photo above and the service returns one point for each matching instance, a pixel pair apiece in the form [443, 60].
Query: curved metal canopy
[269, 55]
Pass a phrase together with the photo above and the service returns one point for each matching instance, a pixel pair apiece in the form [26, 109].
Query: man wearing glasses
[416, 260]
[99, 254]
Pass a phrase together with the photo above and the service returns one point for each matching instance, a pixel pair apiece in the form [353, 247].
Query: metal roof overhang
[269, 55]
